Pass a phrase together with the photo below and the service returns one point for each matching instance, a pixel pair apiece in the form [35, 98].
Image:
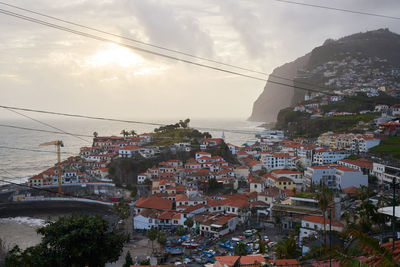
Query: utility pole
[330, 237]
[394, 212]
[58, 144]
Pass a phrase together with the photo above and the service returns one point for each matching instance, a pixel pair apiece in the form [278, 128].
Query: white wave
[34, 222]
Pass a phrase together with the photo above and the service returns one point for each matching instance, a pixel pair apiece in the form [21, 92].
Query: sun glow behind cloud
[115, 55]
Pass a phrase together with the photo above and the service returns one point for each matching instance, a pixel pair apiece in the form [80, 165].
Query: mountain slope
[381, 44]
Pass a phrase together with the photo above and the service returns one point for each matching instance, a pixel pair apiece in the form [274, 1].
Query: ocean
[18, 165]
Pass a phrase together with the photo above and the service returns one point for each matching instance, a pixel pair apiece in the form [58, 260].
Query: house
[234, 149]
[216, 225]
[146, 219]
[239, 261]
[271, 195]
[241, 171]
[153, 203]
[295, 176]
[239, 206]
[202, 154]
[255, 165]
[142, 177]
[256, 185]
[336, 176]
[311, 225]
[395, 110]
[128, 151]
[284, 183]
[210, 142]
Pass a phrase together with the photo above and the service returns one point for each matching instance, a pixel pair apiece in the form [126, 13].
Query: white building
[385, 173]
[128, 151]
[336, 176]
[327, 156]
[311, 225]
[274, 161]
[361, 144]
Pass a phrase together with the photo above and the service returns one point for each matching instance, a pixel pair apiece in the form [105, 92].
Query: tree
[162, 238]
[324, 196]
[128, 260]
[152, 234]
[95, 134]
[122, 209]
[133, 191]
[189, 223]
[287, 248]
[180, 230]
[77, 240]
[213, 184]
[240, 249]
[125, 133]
[133, 133]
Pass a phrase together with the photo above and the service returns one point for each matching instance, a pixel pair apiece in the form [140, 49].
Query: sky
[44, 68]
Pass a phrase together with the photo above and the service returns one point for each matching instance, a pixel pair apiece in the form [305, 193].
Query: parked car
[248, 233]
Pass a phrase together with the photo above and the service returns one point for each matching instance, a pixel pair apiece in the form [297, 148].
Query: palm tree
[324, 196]
[125, 133]
[95, 134]
[133, 133]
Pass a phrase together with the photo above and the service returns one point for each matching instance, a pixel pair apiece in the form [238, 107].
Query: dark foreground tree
[128, 260]
[71, 241]
[240, 249]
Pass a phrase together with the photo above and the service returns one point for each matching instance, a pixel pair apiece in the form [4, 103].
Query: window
[150, 220]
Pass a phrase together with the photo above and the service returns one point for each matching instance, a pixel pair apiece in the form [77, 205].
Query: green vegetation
[175, 133]
[240, 249]
[152, 234]
[305, 194]
[71, 241]
[189, 223]
[128, 260]
[389, 148]
[314, 127]
[288, 248]
[300, 123]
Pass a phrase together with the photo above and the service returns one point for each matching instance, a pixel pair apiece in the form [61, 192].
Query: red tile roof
[320, 220]
[251, 260]
[153, 202]
[227, 260]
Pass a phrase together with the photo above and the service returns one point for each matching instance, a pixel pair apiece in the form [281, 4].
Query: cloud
[166, 27]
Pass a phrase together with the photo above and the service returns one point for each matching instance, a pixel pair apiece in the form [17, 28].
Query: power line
[339, 9]
[156, 46]
[35, 150]
[48, 125]
[156, 53]
[119, 120]
[55, 26]
[40, 130]
[133, 40]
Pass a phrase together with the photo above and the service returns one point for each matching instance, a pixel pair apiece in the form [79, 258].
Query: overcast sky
[45, 68]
